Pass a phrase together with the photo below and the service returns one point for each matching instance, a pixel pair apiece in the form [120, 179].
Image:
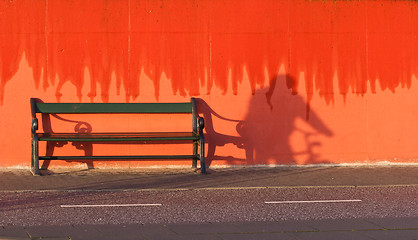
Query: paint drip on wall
[336, 47]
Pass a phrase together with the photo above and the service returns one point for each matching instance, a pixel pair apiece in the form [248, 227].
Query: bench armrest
[34, 121]
[34, 125]
[201, 124]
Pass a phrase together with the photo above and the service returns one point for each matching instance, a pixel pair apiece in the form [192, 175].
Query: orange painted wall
[278, 82]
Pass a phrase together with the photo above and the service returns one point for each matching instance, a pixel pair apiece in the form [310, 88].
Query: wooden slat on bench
[113, 107]
[148, 136]
[118, 157]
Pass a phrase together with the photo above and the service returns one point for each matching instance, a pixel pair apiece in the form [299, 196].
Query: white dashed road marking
[112, 205]
[315, 201]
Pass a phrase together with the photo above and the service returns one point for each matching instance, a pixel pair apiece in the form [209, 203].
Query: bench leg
[35, 157]
[202, 155]
[195, 148]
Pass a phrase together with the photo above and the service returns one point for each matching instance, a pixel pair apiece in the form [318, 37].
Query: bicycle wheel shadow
[265, 133]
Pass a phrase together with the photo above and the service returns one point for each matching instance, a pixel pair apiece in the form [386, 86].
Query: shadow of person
[271, 120]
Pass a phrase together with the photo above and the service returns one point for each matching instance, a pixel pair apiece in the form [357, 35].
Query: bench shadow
[80, 127]
[216, 139]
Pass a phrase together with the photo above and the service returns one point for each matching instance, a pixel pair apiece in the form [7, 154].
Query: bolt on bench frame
[196, 135]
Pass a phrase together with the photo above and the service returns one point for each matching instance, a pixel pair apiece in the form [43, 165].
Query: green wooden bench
[195, 136]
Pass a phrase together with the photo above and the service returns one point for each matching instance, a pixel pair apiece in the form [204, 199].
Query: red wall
[279, 82]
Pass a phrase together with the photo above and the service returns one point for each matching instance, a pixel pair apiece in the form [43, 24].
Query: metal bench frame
[195, 136]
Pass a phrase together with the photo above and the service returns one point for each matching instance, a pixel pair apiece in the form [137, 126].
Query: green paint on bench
[150, 157]
[195, 136]
[109, 137]
[75, 108]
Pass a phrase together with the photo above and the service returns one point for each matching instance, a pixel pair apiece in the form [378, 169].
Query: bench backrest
[85, 108]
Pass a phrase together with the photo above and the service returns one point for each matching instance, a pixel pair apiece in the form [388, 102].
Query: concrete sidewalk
[251, 177]
[221, 178]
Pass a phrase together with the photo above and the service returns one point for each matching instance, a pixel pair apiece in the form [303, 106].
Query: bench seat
[109, 137]
[144, 157]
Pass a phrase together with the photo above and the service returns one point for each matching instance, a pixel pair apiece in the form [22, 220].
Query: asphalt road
[206, 205]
